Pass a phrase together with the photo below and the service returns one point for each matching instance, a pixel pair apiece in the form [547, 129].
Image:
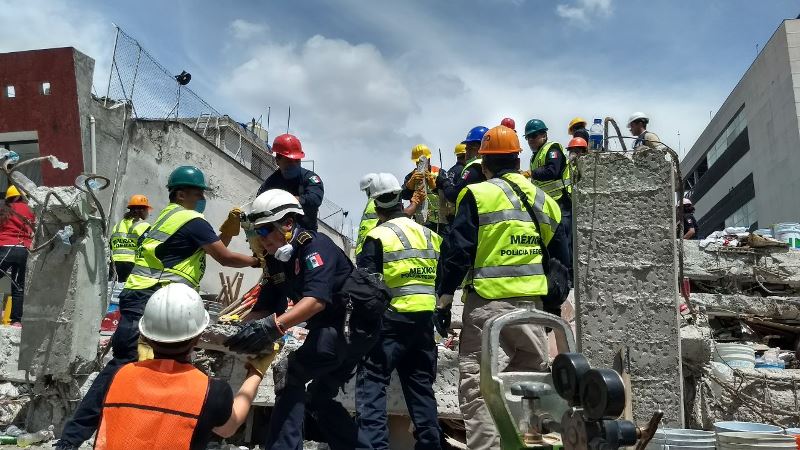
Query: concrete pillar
[627, 273]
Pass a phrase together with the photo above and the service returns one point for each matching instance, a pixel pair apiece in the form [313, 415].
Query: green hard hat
[534, 126]
[187, 176]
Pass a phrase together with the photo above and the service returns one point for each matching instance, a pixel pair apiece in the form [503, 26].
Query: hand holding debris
[414, 181]
[255, 336]
[431, 179]
[418, 197]
[145, 351]
[232, 225]
[260, 364]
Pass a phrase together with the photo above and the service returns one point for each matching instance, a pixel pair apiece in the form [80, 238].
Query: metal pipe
[113, 64]
[93, 143]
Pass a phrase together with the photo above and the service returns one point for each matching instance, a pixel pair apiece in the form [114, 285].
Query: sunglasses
[263, 231]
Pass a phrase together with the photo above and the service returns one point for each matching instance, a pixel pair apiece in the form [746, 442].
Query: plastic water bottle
[65, 234]
[27, 439]
[596, 135]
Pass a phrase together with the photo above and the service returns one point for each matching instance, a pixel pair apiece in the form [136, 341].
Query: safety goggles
[263, 231]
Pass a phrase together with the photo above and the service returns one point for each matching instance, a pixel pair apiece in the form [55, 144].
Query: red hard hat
[508, 122]
[288, 146]
[577, 142]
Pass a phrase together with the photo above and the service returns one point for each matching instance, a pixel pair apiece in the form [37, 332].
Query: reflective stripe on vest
[369, 220]
[125, 238]
[508, 259]
[553, 188]
[152, 404]
[148, 270]
[410, 256]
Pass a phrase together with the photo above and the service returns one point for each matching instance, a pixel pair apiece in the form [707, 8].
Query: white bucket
[753, 441]
[682, 438]
[789, 233]
[738, 356]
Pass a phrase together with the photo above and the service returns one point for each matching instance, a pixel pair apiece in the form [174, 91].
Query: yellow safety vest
[369, 220]
[125, 238]
[410, 256]
[508, 260]
[148, 270]
[553, 188]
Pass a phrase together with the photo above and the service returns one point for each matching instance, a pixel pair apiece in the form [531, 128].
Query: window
[742, 217]
[726, 138]
[46, 88]
[10, 91]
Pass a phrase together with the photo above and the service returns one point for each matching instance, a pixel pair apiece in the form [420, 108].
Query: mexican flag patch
[315, 179]
[313, 261]
[554, 154]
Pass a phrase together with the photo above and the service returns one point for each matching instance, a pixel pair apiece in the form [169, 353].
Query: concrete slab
[9, 356]
[626, 273]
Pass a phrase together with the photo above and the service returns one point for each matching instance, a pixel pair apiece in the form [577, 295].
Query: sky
[368, 80]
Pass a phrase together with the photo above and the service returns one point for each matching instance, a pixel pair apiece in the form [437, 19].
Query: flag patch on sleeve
[314, 260]
[315, 179]
[554, 154]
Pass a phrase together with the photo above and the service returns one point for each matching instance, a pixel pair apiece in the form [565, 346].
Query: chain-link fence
[153, 92]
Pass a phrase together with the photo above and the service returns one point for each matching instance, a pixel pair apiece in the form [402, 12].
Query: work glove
[233, 224]
[260, 364]
[525, 173]
[261, 262]
[255, 336]
[414, 181]
[418, 197]
[442, 318]
[145, 351]
[431, 179]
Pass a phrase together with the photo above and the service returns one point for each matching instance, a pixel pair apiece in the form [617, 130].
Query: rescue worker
[17, 225]
[690, 228]
[125, 236]
[369, 219]
[166, 402]
[637, 123]
[496, 242]
[413, 181]
[310, 270]
[172, 251]
[577, 128]
[472, 169]
[509, 122]
[577, 146]
[406, 254]
[551, 173]
[304, 184]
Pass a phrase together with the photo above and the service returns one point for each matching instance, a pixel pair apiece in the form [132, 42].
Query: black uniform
[555, 162]
[690, 222]
[406, 344]
[451, 189]
[318, 268]
[307, 185]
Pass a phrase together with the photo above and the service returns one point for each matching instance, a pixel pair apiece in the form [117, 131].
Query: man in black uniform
[304, 184]
[311, 271]
[690, 228]
[471, 173]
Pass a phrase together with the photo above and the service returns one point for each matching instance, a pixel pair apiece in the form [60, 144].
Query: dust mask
[284, 253]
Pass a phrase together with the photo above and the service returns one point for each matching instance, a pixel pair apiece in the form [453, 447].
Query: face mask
[284, 253]
[200, 206]
[290, 172]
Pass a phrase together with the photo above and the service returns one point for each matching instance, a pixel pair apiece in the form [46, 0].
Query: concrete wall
[770, 90]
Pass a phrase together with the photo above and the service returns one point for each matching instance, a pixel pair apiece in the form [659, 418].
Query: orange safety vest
[152, 404]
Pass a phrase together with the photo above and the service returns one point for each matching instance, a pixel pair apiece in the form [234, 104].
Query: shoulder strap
[524, 199]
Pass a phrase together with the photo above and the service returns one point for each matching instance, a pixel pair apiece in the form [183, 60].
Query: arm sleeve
[314, 191]
[406, 193]
[220, 402]
[272, 296]
[452, 189]
[319, 269]
[371, 256]
[458, 250]
[558, 247]
[200, 232]
[554, 163]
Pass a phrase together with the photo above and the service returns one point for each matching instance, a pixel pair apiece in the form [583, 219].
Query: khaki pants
[525, 345]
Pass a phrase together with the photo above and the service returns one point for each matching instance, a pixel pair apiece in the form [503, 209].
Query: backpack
[368, 299]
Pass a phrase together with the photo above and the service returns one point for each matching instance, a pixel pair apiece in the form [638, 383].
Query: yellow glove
[418, 197]
[145, 351]
[232, 225]
[431, 179]
[414, 181]
[525, 173]
[260, 364]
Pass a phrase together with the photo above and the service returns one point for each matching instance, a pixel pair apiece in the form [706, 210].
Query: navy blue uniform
[307, 186]
[187, 240]
[473, 175]
[318, 268]
[406, 344]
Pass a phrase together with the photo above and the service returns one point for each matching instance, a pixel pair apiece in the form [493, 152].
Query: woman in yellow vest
[495, 243]
[125, 236]
[166, 403]
[406, 254]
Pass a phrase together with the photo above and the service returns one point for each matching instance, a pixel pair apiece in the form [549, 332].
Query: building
[742, 170]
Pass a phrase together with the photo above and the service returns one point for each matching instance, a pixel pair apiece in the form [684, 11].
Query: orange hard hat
[577, 142]
[139, 200]
[499, 140]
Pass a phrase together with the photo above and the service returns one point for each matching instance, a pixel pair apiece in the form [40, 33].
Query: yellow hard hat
[12, 192]
[461, 149]
[420, 150]
[576, 121]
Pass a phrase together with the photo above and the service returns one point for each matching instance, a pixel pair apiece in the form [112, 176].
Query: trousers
[13, 262]
[409, 348]
[525, 346]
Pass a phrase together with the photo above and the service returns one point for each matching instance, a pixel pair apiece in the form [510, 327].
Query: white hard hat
[637, 116]
[367, 180]
[386, 183]
[686, 201]
[175, 313]
[272, 206]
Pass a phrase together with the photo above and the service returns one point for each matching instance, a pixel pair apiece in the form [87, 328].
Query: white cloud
[582, 10]
[243, 30]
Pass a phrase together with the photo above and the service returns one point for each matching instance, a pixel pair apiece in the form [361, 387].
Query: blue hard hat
[475, 135]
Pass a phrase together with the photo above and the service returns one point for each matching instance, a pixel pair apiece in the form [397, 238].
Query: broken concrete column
[626, 274]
